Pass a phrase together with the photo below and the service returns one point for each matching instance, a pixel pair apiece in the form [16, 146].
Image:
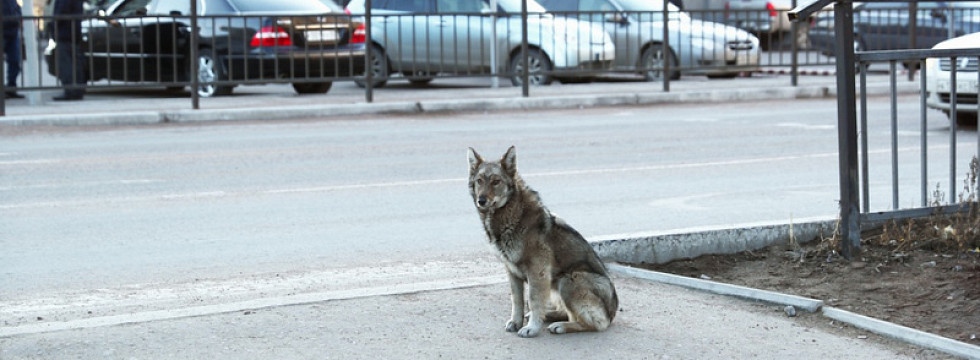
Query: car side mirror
[102, 15]
[938, 14]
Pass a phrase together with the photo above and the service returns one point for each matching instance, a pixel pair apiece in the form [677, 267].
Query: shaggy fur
[567, 282]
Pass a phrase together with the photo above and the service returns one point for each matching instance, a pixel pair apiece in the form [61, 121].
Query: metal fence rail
[141, 50]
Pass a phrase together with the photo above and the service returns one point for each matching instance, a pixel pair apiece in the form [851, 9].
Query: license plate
[962, 86]
[322, 36]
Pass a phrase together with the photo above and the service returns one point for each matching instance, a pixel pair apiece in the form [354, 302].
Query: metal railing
[155, 50]
[853, 133]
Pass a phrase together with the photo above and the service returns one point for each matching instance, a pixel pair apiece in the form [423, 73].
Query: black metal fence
[948, 82]
[311, 52]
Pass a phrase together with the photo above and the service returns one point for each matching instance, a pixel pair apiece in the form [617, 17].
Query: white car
[422, 38]
[766, 18]
[939, 86]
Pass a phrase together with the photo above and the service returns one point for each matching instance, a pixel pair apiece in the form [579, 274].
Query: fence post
[525, 90]
[850, 217]
[794, 50]
[195, 60]
[368, 72]
[666, 49]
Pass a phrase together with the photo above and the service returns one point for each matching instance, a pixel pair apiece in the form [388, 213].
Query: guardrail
[139, 51]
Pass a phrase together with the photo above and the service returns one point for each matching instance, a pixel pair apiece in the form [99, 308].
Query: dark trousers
[11, 53]
[71, 68]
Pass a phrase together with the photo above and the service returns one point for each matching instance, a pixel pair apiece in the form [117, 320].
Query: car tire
[651, 64]
[312, 88]
[964, 119]
[537, 62]
[379, 68]
[209, 71]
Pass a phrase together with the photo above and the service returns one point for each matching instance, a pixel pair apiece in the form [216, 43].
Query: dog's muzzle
[482, 201]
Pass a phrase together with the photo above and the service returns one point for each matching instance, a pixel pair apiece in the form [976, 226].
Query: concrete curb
[800, 302]
[909, 335]
[884, 328]
[659, 248]
[439, 106]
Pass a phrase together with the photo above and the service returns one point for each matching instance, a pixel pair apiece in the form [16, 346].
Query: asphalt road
[122, 208]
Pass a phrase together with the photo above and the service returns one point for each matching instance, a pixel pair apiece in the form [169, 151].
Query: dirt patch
[923, 275]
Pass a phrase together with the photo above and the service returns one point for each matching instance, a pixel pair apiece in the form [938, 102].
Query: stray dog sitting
[567, 282]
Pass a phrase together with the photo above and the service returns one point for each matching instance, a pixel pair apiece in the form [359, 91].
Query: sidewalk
[279, 102]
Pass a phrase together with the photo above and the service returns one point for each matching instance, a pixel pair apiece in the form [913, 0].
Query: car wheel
[652, 64]
[312, 88]
[208, 71]
[539, 67]
[378, 67]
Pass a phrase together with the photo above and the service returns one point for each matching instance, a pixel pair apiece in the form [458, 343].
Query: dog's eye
[494, 182]
[479, 181]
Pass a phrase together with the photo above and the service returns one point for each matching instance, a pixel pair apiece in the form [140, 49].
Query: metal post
[368, 53]
[195, 60]
[913, 25]
[666, 49]
[893, 95]
[922, 129]
[494, 81]
[953, 118]
[850, 226]
[865, 187]
[794, 60]
[3, 67]
[525, 91]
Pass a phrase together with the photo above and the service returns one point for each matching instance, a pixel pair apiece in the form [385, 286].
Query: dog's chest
[508, 241]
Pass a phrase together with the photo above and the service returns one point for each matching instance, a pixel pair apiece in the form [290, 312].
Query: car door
[404, 25]
[124, 56]
[624, 29]
[464, 35]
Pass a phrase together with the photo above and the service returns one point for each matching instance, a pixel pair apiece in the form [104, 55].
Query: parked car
[636, 26]
[939, 85]
[148, 41]
[886, 25]
[767, 19]
[424, 37]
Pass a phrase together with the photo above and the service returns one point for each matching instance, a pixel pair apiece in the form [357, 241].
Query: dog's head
[492, 182]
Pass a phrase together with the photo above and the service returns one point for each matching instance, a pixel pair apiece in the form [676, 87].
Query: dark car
[886, 25]
[305, 42]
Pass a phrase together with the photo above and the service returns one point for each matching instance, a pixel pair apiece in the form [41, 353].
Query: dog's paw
[512, 326]
[528, 332]
[557, 328]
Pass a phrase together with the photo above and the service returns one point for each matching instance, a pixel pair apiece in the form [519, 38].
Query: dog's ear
[474, 158]
[509, 161]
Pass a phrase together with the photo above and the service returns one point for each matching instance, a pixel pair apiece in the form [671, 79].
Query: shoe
[67, 98]
[14, 95]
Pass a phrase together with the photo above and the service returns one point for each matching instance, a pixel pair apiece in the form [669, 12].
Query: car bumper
[940, 93]
[295, 65]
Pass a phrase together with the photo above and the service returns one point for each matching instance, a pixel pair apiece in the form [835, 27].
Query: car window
[461, 6]
[310, 6]
[167, 7]
[559, 5]
[598, 9]
[132, 8]
[404, 5]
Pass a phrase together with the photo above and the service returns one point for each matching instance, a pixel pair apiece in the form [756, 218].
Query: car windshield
[515, 6]
[279, 6]
[646, 5]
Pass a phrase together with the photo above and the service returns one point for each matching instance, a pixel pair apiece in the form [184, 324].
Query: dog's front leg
[539, 289]
[517, 303]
